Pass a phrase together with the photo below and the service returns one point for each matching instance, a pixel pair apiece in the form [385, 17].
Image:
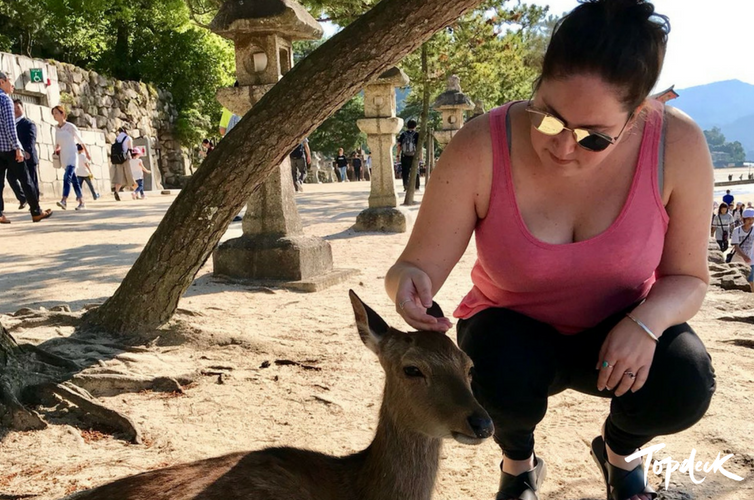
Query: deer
[427, 397]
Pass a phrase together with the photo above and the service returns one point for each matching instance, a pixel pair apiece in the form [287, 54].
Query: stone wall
[98, 106]
[95, 102]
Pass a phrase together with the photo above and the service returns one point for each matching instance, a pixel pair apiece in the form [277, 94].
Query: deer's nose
[481, 425]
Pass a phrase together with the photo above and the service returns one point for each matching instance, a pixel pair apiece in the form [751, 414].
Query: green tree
[150, 40]
[340, 130]
[728, 152]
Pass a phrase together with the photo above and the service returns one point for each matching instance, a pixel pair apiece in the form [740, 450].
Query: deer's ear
[372, 328]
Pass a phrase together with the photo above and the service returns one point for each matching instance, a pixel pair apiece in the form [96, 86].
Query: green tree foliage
[149, 40]
[721, 150]
[340, 130]
[496, 51]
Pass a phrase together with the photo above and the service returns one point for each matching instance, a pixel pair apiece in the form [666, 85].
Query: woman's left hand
[628, 351]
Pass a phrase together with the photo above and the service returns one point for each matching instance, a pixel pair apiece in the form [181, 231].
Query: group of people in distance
[19, 161]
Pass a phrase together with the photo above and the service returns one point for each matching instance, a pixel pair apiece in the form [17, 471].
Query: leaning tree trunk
[292, 109]
[423, 129]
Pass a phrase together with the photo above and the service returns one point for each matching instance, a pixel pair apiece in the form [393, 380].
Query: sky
[709, 41]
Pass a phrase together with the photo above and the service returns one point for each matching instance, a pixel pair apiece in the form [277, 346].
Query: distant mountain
[728, 105]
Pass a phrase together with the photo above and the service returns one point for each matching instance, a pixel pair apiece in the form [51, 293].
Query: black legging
[520, 362]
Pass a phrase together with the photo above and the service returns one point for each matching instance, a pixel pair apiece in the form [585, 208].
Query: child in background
[84, 172]
[138, 171]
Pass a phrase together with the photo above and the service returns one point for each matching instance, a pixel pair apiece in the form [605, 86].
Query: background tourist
[357, 164]
[342, 163]
[137, 171]
[121, 168]
[84, 172]
[67, 136]
[722, 224]
[408, 144]
[301, 157]
[27, 134]
[728, 198]
[12, 154]
[743, 242]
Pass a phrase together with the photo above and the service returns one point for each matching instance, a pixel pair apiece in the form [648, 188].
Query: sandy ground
[78, 258]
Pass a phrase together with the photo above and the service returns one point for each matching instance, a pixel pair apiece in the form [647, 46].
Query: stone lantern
[381, 125]
[273, 248]
[451, 104]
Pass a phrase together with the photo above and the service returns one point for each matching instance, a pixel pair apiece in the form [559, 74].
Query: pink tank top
[571, 286]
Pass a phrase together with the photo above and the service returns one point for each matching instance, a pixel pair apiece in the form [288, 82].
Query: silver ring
[403, 303]
[629, 374]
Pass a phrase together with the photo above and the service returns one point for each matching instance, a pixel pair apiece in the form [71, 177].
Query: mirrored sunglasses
[587, 139]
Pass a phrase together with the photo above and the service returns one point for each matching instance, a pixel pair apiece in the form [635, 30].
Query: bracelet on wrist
[643, 327]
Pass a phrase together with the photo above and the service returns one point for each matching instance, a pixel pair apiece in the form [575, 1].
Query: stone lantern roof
[453, 97]
[239, 18]
[394, 76]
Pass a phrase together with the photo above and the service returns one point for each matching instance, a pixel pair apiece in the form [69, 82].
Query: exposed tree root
[36, 319]
[110, 384]
[16, 416]
[101, 416]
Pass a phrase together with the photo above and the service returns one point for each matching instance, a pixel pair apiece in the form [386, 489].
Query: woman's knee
[679, 389]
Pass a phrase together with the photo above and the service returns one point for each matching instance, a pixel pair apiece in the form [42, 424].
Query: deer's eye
[412, 371]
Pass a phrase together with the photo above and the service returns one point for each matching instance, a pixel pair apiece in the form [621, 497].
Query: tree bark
[423, 126]
[291, 110]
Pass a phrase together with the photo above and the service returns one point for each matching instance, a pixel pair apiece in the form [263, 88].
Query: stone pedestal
[381, 125]
[273, 250]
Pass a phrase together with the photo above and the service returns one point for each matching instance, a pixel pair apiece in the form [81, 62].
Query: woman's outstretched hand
[414, 297]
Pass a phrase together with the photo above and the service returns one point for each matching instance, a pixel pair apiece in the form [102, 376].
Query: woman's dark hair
[79, 147]
[720, 208]
[622, 41]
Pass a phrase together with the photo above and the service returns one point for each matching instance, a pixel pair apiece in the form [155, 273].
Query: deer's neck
[399, 463]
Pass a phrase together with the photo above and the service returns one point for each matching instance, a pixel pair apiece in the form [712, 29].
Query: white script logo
[686, 467]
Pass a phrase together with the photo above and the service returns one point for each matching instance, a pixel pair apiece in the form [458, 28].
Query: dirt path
[79, 258]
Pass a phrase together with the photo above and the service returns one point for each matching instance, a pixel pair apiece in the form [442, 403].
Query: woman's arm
[683, 275]
[457, 192]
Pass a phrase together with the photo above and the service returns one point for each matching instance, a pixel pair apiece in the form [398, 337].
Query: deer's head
[427, 379]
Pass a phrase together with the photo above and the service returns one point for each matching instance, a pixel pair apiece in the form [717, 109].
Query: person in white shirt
[122, 172]
[84, 171]
[66, 138]
[743, 242]
[138, 170]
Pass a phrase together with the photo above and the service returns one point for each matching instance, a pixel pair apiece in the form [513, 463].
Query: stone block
[716, 256]
[76, 77]
[101, 121]
[735, 282]
[384, 220]
[301, 262]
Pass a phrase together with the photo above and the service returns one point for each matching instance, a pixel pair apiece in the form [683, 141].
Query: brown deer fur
[417, 412]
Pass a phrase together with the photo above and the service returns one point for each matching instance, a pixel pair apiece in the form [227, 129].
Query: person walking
[67, 136]
[27, 134]
[408, 144]
[565, 296]
[300, 157]
[357, 165]
[722, 224]
[743, 242]
[12, 155]
[728, 198]
[84, 171]
[120, 156]
[137, 171]
[342, 162]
